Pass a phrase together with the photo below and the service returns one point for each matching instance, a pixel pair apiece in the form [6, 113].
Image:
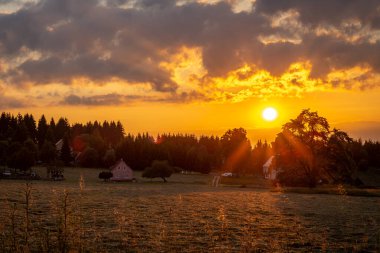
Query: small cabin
[121, 172]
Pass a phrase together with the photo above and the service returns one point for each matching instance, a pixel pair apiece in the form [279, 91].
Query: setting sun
[270, 114]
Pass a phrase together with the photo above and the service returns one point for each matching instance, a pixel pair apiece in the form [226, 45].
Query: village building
[121, 172]
[270, 169]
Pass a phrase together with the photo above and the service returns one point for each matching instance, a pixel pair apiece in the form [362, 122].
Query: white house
[121, 172]
[269, 170]
[58, 145]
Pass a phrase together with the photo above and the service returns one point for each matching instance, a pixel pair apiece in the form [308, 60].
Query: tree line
[306, 149]
[96, 144]
[54, 142]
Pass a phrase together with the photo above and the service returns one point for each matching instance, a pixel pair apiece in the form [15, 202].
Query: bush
[105, 175]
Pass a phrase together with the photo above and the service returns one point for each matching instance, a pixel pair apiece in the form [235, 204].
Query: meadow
[187, 214]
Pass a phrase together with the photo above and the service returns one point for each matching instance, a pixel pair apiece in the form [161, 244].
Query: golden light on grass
[269, 114]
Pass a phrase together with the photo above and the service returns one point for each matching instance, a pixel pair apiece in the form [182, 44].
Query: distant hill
[361, 129]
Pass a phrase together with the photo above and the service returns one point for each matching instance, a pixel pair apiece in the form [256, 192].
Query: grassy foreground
[84, 214]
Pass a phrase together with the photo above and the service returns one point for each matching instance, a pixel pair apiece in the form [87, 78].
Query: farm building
[121, 172]
[58, 145]
[269, 168]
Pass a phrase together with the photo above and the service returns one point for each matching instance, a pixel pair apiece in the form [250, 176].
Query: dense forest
[307, 149]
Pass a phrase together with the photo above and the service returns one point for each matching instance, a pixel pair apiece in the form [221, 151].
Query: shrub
[105, 175]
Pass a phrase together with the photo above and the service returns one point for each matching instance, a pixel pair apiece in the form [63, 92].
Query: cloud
[59, 41]
[11, 103]
[98, 100]
[332, 12]
[118, 99]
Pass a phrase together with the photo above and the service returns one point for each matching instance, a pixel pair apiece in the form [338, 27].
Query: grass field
[84, 214]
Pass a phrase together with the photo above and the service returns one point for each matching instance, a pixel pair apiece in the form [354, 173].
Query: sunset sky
[193, 66]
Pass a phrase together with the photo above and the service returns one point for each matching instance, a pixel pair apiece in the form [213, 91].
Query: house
[121, 172]
[269, 169]
[58, 146]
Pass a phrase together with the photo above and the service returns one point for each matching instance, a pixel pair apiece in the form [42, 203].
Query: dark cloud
[182, 97]
[11, 103]
[118, 99]
[314, 12]
[99, 100]
[87, 39]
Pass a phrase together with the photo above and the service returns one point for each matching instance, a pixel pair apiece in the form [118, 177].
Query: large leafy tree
[300, 147]
[89, 158]
[109, 158]
[48, 152]
[22, 159]
[341, 164]
[308, 151]
[32, 147]
[160, 169]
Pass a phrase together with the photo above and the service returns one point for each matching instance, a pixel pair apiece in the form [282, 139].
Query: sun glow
[270, 114]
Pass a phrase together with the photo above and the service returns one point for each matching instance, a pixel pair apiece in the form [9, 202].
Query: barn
[121, 172]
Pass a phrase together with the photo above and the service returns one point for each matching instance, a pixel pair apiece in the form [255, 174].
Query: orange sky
[193, 66]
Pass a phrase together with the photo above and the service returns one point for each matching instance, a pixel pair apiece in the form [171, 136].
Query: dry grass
[184, 215]
[339, 189]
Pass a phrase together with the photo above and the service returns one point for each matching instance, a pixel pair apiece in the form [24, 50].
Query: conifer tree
[66, 151]
[41, 130]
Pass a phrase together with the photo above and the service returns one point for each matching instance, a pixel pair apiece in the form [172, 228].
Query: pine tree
[41, 130]
[66, 151]
[61, 128]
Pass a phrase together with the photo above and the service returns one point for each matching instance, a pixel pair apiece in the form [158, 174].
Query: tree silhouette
[48, 152]
[341, 164]
[61, 128]
[32, 147]
[301, 147]
[22, 160]
[237, 150]
[160, 169]
[260, 154]
[308, 152]
[65, 155]
[89, 158]
[109, 158]
[105, 175]
[41, 130]
[3, 152]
